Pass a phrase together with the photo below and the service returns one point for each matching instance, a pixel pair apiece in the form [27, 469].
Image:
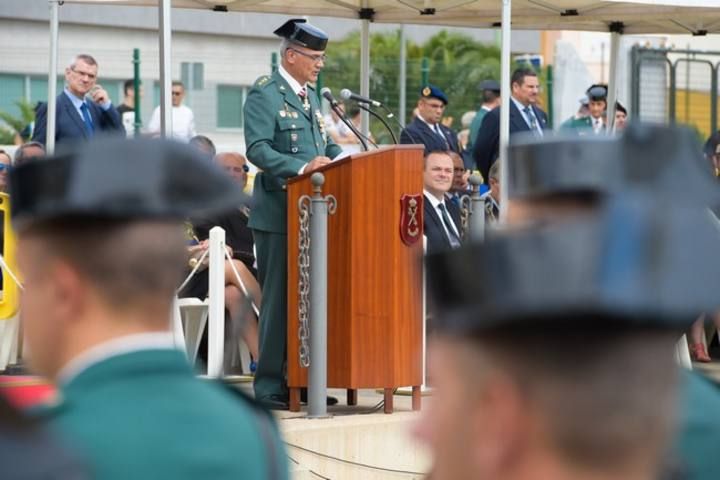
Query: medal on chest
[321, 124]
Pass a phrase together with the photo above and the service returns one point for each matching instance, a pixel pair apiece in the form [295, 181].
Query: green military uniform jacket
[143, 415]
[583, 125]
[696, 448]
[475, 127]
[281, 137]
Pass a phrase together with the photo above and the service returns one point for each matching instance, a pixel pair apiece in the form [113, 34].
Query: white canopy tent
[697, 17]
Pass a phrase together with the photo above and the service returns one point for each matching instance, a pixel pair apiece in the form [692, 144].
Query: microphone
[327, 93]
[348, 95]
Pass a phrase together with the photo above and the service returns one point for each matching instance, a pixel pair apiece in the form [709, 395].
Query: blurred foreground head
[553, 355]
[100, 239]
[563, 177]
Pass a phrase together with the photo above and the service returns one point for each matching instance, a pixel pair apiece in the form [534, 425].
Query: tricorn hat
[633, 263]
[118, 178]
[298, 31]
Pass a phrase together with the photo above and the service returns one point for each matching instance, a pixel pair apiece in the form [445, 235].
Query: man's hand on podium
[316, 163]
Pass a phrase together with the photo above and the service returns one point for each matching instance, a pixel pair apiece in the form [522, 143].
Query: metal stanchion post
[320, 207]
[477, 211]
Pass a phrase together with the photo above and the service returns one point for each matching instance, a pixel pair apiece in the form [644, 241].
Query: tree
[457, 65]
[14, 125]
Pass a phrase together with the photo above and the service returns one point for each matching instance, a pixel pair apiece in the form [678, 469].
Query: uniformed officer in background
[595, 122]
[285, 134]
[101, 247]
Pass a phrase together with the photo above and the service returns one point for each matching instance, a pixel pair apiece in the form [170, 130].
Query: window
[39, 88]
[12, 90]
[230, 99]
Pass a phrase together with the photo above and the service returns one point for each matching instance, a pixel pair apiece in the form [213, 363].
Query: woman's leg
[249, 324]
[697, 341]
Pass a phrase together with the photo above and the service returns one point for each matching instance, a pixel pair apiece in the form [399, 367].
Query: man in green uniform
[572, 378]
[490, 92]
[101, 247]
[594, 123]
[285, 136]
[550, 182]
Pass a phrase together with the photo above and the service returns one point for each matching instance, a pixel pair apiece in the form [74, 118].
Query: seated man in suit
[426, 128]
[84, 108]
[100, 272]
[441, 220]
[525, 116]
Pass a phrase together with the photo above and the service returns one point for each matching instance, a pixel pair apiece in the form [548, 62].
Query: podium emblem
[411, 220]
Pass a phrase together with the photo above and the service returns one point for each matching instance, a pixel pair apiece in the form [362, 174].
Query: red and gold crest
[411, 218]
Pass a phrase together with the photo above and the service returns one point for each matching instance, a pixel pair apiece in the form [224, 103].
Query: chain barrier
[465, 213]
[304, 280]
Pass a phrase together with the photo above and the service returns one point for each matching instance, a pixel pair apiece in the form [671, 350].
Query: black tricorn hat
[562, 164]
[647, 157]
[634, 263]
[298, 31]
[118, 178]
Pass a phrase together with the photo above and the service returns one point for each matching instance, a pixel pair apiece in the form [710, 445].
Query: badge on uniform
[294, 137]
[294, 149]
[282, 113]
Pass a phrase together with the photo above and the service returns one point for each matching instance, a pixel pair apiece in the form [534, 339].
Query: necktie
[439, 132]
[531, 118]
[452, 236]
[303, 96]
[86, 119]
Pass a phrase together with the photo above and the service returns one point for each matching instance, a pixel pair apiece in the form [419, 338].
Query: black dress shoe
[330, 400]
[274, 402]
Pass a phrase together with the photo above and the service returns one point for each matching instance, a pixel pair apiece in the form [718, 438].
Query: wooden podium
[374, 276]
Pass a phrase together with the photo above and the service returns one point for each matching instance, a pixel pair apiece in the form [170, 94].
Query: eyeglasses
[5, 167]
[91, 76]
[315, 58]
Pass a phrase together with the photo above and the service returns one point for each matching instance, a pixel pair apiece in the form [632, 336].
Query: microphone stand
[371, 112]
[350, 125]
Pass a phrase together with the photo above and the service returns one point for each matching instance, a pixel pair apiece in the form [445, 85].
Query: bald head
[235, 165]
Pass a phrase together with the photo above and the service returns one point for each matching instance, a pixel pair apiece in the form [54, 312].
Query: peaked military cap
[632, 264]
[431, 91]
[491, 85]
[119, 178]
[562, 164]
[298, 31]
[597, 92]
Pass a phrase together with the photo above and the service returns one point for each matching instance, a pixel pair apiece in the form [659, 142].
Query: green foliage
[15, 124]
[457, 65]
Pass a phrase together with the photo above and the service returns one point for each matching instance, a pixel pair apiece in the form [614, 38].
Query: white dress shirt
[436, 205]
[183, 123]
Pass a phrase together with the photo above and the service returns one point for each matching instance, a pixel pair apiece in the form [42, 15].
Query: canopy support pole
[164, 9]
[402, 104]
[365, 72]
[52, 76]
[616, 31]
[504, 107]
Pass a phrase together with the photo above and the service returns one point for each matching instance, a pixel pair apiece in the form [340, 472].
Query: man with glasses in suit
[84, 108]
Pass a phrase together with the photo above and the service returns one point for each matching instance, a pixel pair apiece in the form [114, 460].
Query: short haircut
[122, 259]
[606, 394]
[203, 142]
[435, 152]
[85, 58]
[519, 75]
[128, 85]
[21, 156]
[178, 83]
[284, 46]
[489, 96]
[494, 173]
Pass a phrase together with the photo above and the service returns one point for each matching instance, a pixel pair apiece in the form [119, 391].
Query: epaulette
[262, 81]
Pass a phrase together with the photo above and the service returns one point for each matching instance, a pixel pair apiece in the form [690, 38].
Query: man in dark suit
[525, 116]
[441, 224]
[79, 117]
[426, 128]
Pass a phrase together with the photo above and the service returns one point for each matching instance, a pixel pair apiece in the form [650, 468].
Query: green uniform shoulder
[264, 81]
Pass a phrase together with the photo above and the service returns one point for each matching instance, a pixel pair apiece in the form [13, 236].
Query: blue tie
[86, 118]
